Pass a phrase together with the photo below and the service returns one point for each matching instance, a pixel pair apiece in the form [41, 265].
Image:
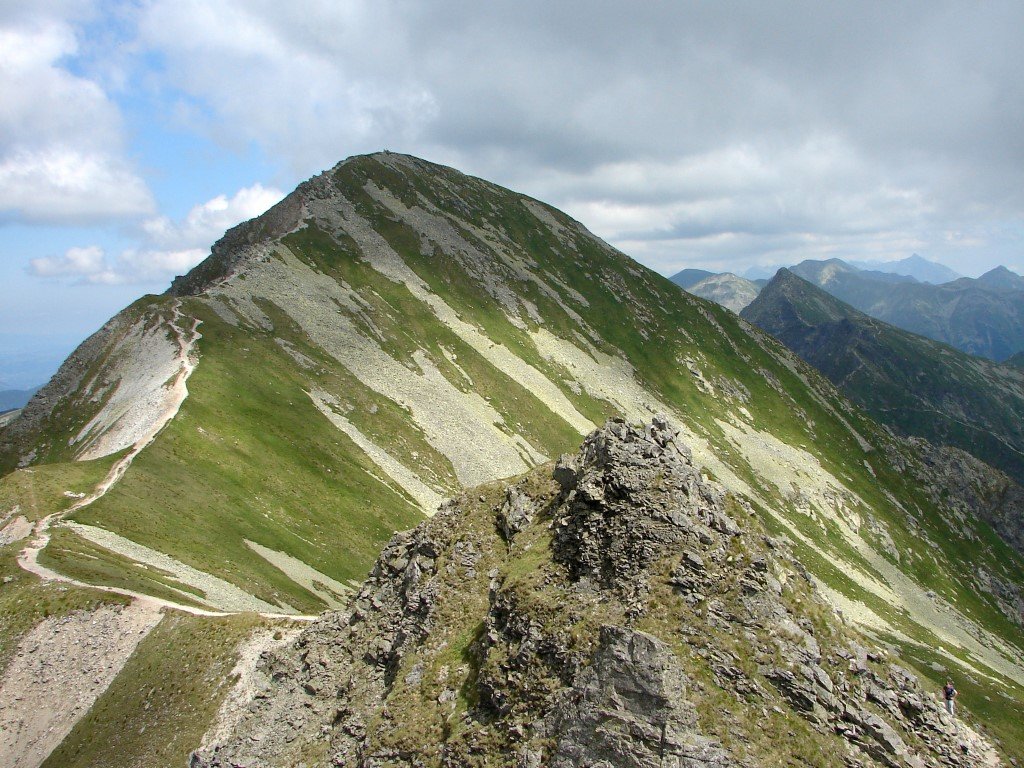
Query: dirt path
[28, 558]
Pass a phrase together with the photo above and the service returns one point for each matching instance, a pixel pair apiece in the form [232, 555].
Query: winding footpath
[28, 558]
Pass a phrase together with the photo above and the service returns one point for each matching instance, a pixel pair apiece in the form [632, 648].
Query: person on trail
[949, 693]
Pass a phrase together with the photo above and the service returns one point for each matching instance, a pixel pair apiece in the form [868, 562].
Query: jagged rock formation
[632, 615]
[973, 489]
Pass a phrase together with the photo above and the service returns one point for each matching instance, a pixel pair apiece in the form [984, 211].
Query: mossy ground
[43, 489]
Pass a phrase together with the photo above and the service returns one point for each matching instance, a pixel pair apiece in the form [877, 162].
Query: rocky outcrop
[972, 489]
[235, 247]
[627, 614]
[630, 709]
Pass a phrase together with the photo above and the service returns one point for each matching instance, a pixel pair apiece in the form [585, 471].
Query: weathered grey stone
[632, 509]
[516, 513]
[630, 710]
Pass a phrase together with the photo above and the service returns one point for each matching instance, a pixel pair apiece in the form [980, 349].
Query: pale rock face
[729, 290]
[60, 668]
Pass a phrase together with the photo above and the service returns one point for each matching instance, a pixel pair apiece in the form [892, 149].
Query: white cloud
[205, 223]
[307, 85]
[169, 248]
[92, 266]
[839, 126]
[76, 262]
[60, 185]
[147, 266]
[61, 140]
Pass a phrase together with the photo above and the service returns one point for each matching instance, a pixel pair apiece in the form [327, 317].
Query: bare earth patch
[59, 670]
[251, 681]
[19, 528]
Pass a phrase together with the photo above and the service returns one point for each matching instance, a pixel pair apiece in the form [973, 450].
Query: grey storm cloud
[857, 129]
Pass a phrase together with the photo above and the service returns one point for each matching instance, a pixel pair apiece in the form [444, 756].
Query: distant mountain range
[913, 266]
[15, 398]
[917, 386]
[731, 291]
[982, 316]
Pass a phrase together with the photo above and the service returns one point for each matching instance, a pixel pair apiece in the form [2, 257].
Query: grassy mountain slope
[394, 332]
[967, 314]
[917, 386]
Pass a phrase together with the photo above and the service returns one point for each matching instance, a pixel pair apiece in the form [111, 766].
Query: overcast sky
[719, 135]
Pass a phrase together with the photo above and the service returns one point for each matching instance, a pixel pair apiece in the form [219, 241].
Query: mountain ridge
[963, 313]
[397, 333]
[915, 266]
[553, 679]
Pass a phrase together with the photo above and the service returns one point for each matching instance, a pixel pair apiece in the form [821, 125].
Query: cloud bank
[720, 134]
[685, 131]
[62, 154]
[168, 247]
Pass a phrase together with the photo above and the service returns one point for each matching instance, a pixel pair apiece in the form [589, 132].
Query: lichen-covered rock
[621, 611]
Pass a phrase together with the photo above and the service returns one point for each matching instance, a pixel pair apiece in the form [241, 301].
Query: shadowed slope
[917, 386]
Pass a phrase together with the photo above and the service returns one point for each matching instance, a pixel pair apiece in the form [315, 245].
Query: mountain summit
[393, 334]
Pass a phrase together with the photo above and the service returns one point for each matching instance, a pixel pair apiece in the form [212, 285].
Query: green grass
[157, 709]
[250, 457]
[71, 555]
[39, 491]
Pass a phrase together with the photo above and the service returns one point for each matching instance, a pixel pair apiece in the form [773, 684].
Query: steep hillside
[616, 611]
[915, 385]
[394, 332]
[727, 289]
[974, 316]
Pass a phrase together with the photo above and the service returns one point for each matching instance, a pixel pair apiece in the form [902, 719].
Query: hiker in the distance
[949, 693]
